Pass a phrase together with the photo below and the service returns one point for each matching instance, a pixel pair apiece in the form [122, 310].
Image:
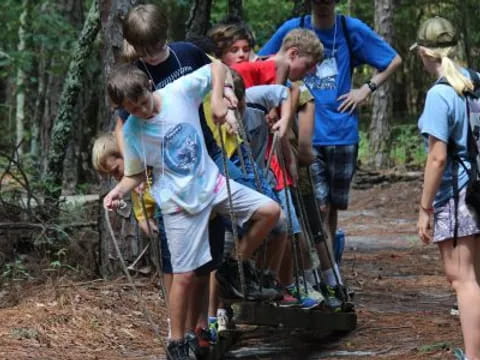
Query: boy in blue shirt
[348, 42]
[164, 132]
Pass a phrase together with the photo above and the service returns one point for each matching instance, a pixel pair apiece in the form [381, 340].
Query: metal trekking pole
[232, 216]
[324, 235]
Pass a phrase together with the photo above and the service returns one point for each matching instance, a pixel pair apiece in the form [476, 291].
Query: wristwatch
[371, 85]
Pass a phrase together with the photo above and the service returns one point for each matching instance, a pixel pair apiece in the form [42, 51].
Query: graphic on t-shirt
[183, 149]
[325, 76]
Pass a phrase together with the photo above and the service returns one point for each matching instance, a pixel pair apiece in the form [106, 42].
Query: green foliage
[15, 270]
[407, 147]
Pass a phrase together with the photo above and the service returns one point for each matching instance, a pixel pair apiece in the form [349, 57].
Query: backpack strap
[302, 21]
[343, 21]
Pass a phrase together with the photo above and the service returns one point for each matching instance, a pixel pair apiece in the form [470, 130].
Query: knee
[185, 279]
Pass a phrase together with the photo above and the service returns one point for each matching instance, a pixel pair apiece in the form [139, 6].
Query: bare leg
[198, 303]
[214, 301]
[180, 293]
[262, 221]
[460, 270]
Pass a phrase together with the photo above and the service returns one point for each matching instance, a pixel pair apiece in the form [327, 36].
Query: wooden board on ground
[255, 313]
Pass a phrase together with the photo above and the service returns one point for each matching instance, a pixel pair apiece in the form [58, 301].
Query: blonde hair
[145, 26]
[306, 41]
[449, 68]
[128, 54]
[103, 147]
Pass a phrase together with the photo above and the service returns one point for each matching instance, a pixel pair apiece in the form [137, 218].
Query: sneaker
[306, 302]
[194, 351]
[213, 329]
[204, 340]
[228, 278]
[224, 322]
[288, 301]
[459, 354]
[311, 292]
[177, 350]
[330, 297]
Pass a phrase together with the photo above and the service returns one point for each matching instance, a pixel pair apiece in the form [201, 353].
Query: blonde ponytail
[450, 69]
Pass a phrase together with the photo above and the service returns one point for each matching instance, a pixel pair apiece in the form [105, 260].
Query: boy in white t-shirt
[164, 132]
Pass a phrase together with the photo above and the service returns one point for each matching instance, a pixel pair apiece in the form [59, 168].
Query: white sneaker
[312, 293]
[222, 321]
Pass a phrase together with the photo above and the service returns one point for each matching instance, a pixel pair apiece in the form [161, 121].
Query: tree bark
[380, 127]
[199, 20]
[21, 77]
[111, 13]
[63, 124]
[235, 8]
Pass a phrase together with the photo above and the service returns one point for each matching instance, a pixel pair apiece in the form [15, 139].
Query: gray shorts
[187, 234]
[444, 220]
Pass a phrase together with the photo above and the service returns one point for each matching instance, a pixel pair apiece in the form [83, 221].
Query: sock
[329, 276]
[309, 276]
[169, 325]
[221, 312]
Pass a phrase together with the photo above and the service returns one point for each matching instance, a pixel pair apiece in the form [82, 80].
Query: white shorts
[187, 234]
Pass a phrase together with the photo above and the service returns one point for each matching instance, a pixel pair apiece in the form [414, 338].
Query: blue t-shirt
[445, 117]
[330, 81]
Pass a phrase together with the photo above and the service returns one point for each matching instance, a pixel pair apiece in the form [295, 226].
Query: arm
[356, 97]
[219, 76]
[306, 120]
[128, 183]
[283, 123]
[436, 161]
[119, 134]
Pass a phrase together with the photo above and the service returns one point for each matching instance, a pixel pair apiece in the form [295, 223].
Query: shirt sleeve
[137, 205]
[197, 84]
[133, 160]
[434, 119]
[269, 96]
[273, 45]
[367, 46]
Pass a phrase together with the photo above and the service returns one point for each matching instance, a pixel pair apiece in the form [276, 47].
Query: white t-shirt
[172, 143]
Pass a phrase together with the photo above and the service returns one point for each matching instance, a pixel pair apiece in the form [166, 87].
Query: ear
[293, 52]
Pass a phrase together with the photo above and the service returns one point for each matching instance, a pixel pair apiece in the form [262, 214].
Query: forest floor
[402, 301]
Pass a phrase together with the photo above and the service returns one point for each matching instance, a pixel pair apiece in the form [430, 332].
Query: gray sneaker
[177, 350]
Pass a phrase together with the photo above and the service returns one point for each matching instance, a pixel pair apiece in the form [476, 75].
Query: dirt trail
[402, 301]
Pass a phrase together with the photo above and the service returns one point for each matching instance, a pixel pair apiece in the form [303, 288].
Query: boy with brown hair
[163, 131]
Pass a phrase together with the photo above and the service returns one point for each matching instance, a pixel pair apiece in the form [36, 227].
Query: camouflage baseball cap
[436, 32]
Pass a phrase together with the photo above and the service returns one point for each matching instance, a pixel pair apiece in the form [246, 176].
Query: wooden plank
[255, 313]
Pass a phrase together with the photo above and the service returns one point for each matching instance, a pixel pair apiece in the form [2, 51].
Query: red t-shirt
[264, 73]
[257, 72]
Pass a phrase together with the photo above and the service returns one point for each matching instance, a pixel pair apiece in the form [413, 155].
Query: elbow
[438, 161]
[396, 62]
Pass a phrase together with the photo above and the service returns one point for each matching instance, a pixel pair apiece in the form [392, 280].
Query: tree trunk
[63, 124]
[199, 20]
[111, 13]
[235, 8]
[21, 77]
[380, 129]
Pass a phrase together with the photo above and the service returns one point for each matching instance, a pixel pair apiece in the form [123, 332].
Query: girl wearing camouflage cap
[444, 124]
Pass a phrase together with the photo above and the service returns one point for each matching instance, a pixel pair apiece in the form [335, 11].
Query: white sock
[329, 276]
[221, 312]
[169, 335]
[309, 276]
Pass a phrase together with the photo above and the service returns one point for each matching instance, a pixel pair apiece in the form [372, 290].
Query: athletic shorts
[444, 220]
[187, 234]
[283, 196]
[332, 173]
